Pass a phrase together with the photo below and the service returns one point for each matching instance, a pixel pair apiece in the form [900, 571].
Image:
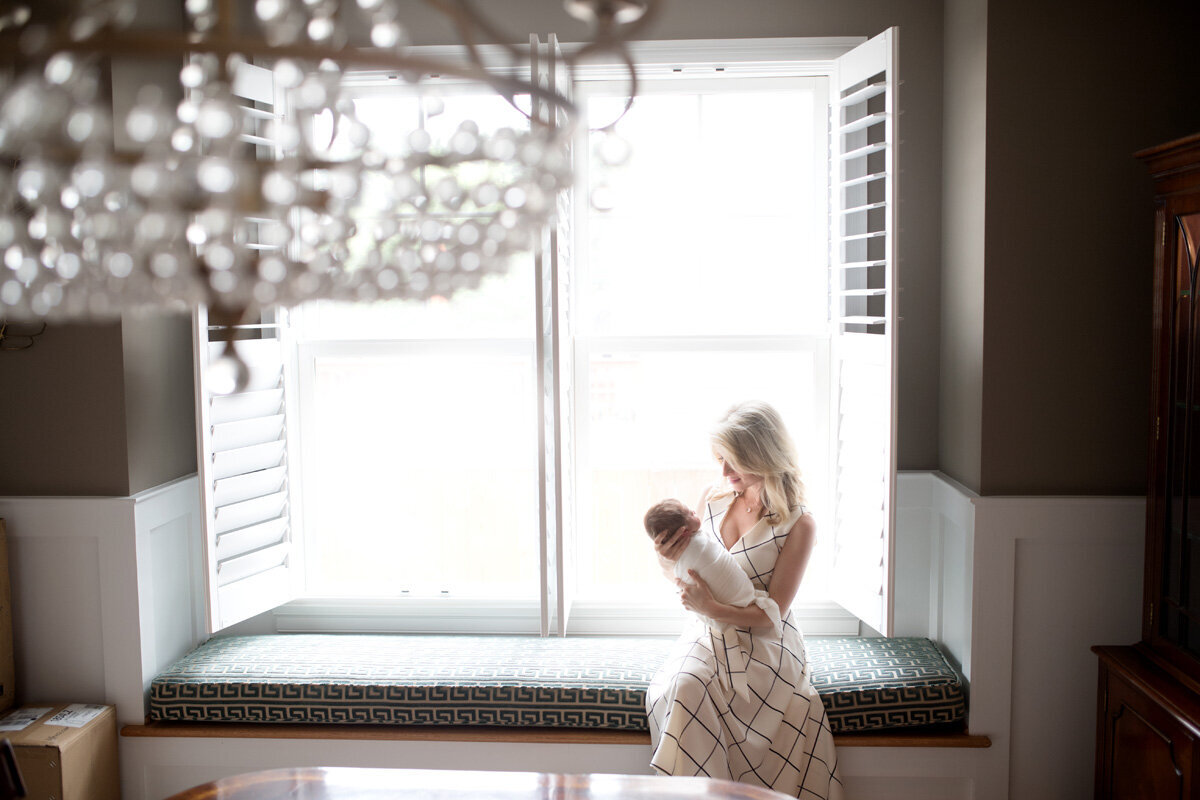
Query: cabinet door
[1177, 430]
[1146, 752]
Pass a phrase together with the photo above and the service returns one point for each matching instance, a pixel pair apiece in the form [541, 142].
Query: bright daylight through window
[704, 284]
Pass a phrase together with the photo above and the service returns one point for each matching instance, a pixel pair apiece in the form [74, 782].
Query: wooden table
[348, 783]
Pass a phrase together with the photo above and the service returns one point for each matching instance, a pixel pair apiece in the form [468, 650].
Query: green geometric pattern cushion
[869, 684]
[574, 682]
[411, 680]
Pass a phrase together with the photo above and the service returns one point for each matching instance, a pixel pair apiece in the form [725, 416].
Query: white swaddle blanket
[731, 586]
[729, 582]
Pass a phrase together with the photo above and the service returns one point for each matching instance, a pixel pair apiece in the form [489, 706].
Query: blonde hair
[752, 438]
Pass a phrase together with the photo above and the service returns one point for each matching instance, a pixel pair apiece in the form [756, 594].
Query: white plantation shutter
[863, 311]
[243, 438]
[244, 477]
[554, 350]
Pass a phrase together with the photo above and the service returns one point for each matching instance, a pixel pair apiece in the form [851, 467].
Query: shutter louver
[863, 316]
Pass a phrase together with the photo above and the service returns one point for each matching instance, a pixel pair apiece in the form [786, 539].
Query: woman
[738, 705]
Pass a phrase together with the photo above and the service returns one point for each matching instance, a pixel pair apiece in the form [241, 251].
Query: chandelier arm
[606, 41]
[626, 58]
[465, 22]
[633, 28]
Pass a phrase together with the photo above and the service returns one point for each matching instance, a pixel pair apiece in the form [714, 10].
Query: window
[705, 283]
[416, 419]
[416, 494]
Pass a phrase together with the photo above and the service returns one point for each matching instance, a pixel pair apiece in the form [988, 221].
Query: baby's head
[668, 517]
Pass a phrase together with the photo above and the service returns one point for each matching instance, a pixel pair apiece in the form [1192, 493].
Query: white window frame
[705, 63]
[762, 57]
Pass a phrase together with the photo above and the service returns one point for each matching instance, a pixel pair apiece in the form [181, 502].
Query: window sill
[455, 616]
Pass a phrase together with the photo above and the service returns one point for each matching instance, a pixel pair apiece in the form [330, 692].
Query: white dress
[775, 734]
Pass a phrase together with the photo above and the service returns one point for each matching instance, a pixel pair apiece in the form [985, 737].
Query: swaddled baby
[729, 583]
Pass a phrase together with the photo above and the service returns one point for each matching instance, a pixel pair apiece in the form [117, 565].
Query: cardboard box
[65, 751]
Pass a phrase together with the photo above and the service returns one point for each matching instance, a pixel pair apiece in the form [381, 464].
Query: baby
[729, 582]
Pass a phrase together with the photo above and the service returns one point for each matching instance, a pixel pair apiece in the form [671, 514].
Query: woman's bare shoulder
[805, 526]
[804, 521]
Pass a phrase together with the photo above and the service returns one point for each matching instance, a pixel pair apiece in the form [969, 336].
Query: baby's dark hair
[667, 515]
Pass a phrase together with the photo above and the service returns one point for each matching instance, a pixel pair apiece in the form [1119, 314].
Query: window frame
[738, 58]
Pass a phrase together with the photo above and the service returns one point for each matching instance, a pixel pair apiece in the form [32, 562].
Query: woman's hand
[696, 596]
[671, 546]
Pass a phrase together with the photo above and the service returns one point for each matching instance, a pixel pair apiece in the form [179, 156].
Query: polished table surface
[352, 783]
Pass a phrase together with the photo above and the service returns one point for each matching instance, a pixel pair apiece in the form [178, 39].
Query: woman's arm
[785, 582]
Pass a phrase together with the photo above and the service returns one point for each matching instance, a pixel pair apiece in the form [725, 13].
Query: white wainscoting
[1053, 577]
[103, 593]
[1016, 590]
[165, 766]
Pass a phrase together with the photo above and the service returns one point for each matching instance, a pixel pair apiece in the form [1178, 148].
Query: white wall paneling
[1016, 590]
[88, 576]
[155, 768]
[169, 578]
[935, 524]
[1053, 576]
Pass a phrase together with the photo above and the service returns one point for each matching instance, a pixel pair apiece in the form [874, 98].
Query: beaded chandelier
[220, 201]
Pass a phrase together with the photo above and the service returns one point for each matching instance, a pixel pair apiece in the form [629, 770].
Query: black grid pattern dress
[773, 731]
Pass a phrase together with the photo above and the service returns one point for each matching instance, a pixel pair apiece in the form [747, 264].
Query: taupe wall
[960, 397]
[160, 403]
[1073, 89]
[98, 410]
[62, 414]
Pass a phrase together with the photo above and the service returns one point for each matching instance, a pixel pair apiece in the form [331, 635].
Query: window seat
[399, 685]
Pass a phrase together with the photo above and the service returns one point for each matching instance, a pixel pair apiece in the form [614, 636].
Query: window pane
[718, 223]
[421, 476]
[419, 439]
[648, 417]
[718, 229]
[501, 307]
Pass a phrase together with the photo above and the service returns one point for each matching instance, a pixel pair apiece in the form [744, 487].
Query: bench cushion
[871, 684]
[411, 680]
[574, 682]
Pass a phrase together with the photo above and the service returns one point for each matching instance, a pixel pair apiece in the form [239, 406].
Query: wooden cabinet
[1148, 727]
[1171, 618]
[1147, 739]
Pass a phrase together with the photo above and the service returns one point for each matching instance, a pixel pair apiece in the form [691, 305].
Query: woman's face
[738, 481]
